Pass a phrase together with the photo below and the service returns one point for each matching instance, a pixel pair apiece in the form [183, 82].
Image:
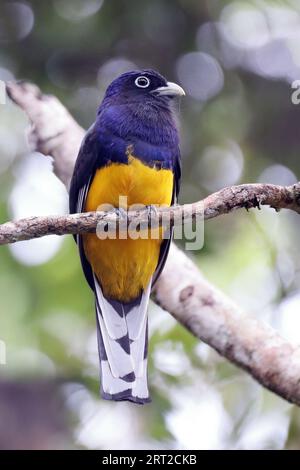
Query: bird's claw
[152, 210]
[121, 212]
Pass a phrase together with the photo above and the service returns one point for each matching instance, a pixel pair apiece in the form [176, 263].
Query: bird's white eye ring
[142, 81]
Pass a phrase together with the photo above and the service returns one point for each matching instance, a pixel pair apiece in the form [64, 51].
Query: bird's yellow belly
[124, 266]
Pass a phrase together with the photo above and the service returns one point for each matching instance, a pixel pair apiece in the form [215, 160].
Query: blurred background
[237, 61]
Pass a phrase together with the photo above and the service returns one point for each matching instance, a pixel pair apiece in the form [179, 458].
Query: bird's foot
[152, 211]
[121, 213]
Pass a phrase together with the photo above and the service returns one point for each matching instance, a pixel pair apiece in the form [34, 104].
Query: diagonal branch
[193, 301]
[210, 316]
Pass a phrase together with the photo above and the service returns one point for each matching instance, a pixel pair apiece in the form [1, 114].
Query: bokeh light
[16, 21]
[77, 10]
[200, 75]
[220, 167]
[37, 192]
[278, 174]
[111, 69]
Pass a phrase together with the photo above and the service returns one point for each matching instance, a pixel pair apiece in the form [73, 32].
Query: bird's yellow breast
[124, 266]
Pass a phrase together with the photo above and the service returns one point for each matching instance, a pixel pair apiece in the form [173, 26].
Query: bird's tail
[122, 331]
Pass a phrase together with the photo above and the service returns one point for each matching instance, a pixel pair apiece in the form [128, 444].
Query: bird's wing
[84, 170]
[165, 246]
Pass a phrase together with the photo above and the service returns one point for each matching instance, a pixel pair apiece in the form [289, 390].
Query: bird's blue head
[140, 103]
[143, 85]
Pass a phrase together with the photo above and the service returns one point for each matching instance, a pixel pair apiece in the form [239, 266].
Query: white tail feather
[122, 343]
[137, 316]
[111, 385]
[119, 361]
[137, 350]
[115, 324]
[140, 388]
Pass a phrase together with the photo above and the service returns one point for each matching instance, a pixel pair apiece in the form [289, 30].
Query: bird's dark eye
[142, 82]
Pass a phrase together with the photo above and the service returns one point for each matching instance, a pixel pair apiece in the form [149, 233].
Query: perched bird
[132, 150]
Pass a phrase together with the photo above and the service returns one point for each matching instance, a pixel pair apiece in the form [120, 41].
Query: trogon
[132, 151]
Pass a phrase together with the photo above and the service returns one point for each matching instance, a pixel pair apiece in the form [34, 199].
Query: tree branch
[181, 289]
[219, 203]
[53, 131]
[210, 316]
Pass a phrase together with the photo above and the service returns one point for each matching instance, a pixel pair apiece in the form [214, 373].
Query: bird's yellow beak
[171, 89]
